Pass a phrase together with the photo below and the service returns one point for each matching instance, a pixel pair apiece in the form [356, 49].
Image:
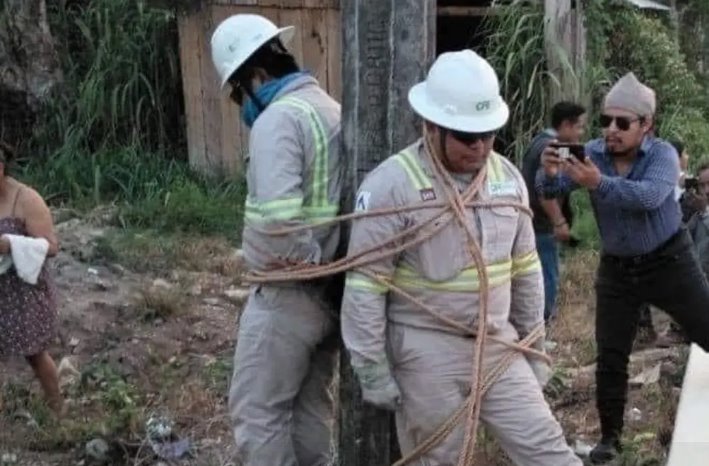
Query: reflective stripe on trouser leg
[278, 334]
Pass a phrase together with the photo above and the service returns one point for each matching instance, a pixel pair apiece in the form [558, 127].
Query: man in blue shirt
[552, 217]
[647, 255]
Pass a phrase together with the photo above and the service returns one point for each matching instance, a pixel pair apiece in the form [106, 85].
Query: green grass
[114, 131]
[150, 190]
[114, 402]
[584, 227]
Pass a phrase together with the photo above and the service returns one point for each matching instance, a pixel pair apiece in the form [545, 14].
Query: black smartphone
[691, 183]
[567, 149]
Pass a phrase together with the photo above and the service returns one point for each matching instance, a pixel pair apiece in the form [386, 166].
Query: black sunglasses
[471, 138]
[621, 122]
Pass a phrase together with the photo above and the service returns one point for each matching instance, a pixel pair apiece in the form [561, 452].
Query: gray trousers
[433, 370]
[280, 400]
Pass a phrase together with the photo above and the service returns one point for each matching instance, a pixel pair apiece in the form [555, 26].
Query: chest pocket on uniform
[442, 256]
[500, 226]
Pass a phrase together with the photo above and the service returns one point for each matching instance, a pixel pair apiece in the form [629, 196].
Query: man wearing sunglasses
[646, 253]
[409, 360]
[280, 402]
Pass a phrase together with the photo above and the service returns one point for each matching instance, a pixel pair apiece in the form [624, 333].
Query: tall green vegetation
[515, 48]
[115, 131]
[621, 38]
[122, 70]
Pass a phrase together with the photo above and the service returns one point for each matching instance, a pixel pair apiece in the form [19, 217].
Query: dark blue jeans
[549, 256]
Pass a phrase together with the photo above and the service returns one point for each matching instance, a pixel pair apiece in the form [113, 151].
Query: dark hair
[678, 145]
[273, 57]
[7, 155]
[566, 111]
[704, 166]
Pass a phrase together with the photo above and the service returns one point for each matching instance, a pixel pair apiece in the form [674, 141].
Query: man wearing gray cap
[646, 253]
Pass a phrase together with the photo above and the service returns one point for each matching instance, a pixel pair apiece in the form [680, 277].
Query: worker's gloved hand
[379, 387]
[542, 370]
[387, 396]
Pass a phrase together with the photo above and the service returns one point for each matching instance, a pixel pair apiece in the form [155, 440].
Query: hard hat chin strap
[442, 153]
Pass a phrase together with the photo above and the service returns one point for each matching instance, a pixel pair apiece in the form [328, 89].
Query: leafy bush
[515, 48]
[122, 79]
[623, 39]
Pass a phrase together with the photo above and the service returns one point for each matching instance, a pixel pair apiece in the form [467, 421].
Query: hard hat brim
[418, 99]
[284, 33]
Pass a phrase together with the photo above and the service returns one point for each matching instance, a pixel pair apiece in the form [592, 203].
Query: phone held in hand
[691, 184]
[567, 150]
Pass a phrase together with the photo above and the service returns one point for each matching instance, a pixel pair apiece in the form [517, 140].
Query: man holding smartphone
[552, 217]
[647, 255]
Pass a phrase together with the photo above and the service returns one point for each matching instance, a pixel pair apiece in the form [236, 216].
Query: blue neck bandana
[265, 94]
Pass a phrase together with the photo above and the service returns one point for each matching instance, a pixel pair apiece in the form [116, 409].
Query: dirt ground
[154, 343]
[147, 330]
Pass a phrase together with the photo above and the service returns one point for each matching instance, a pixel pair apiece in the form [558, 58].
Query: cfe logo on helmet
[482, 106]
[447, 99]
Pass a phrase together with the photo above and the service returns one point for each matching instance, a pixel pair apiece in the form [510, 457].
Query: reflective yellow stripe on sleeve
[317, 207]
[525, 264]
[279, 209]
[358, 281]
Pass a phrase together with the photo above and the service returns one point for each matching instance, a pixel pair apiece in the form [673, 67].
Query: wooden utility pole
[385, 52]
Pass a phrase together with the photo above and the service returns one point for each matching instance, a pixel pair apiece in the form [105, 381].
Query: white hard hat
[237, 38]
[461, 93]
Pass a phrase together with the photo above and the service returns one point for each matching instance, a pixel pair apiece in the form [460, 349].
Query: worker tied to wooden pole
[280, 402]
[444, 325]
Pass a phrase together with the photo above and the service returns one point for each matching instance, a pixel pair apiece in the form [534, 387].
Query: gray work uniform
[280, 399]
[430, 361]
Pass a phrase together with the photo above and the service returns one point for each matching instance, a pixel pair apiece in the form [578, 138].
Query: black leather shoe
[606, 450]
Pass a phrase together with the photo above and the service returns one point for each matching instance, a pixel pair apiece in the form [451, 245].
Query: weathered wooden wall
[565, 41]
[217, 140]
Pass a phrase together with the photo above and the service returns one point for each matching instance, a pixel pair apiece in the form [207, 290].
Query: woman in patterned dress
[28, 312]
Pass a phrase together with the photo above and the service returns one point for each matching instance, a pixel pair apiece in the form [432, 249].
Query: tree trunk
[29, 65]
[385, 53]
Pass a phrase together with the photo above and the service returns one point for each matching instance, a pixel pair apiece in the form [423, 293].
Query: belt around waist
[673, 240]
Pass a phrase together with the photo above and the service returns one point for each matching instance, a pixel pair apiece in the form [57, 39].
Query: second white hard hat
[462, 93]
[237, 38]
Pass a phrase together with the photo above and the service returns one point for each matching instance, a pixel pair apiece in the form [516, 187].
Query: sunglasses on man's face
[621, 122]
[471, 138]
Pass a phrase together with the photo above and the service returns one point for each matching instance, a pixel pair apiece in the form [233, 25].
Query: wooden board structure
[218, 141]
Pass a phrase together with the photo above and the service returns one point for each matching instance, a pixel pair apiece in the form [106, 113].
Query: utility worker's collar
[425, 162]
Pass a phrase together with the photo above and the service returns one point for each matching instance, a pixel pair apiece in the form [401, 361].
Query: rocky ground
[147, 328]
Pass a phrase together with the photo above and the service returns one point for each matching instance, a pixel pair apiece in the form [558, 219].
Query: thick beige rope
[454, 208]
